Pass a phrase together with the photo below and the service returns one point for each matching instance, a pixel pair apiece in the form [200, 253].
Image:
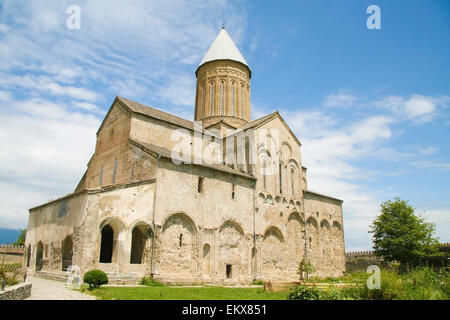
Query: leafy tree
[305, 268]
[21, 238]
[400, 235]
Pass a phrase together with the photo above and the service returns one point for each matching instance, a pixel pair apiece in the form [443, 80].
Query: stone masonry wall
[17, 292]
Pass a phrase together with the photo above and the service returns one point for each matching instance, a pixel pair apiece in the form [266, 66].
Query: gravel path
[43, 289]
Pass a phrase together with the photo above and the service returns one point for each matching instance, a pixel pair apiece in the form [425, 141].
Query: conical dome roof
[223, 48]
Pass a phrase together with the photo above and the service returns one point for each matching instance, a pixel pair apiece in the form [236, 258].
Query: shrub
[258, 282]
[151, 282]
[302, 292]
[95, 278]
[421, 283]
[346, 293]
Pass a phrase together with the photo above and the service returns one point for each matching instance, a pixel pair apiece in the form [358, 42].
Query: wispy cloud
[131, 49]
[57, 83]
[441, 218]
[340, 99]
[416, 108]
[45, 149]
[333, 149]
[434, 165]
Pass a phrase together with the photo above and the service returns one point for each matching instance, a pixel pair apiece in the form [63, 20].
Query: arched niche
[178, 241]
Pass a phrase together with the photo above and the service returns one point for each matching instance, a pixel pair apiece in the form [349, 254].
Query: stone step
[113, 278]
[53, 275]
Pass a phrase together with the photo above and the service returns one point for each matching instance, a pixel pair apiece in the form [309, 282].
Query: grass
[150, 282]
[187, 293]
[354, 277]
[422, 283]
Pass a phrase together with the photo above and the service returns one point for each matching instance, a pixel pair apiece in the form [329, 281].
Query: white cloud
[434, 165]
[180, 90]
[5, 95]
[332, 148]
[340, 99]
[130, 48]
[147, 51]
[46, 85]
[416, 108]
[88, 107]
[4, 28]
[57, 83]
[441, 218]
[428, 150]
[45, 150]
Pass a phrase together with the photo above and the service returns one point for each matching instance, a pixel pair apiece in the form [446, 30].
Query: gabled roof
[261, 121]
[256, 123]
[223, 48]
[220, 122]
[166, 153]
[137, 108]
[322, 195]
[155, 113]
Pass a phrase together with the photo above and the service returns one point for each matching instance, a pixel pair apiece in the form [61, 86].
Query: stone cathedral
[137, 212]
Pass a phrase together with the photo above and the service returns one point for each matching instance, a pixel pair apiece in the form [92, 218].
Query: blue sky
[371, 107]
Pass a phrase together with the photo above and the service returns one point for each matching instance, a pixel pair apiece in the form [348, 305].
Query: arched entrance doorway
[28, 255]
[67, 252]
[140, 239]
[107, 243]
[39, 256]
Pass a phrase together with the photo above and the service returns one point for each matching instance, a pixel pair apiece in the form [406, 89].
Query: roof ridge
[322, 195]
[154, 109]
[252, 123]
[166, 153]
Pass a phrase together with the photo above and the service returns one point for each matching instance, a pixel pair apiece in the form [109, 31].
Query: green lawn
[170, 293]
[421, 283]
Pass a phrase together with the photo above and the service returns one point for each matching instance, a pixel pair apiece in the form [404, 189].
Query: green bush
[421, 283]
[346, 293]
[151, 282]
[258, 282]
[95, 278]
[302, 292]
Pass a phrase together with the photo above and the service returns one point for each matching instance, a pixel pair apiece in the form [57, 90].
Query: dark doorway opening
[106, 248]
[229, 271]
[39, 255]
[139, 238]
[28, 255]
[67, 253]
